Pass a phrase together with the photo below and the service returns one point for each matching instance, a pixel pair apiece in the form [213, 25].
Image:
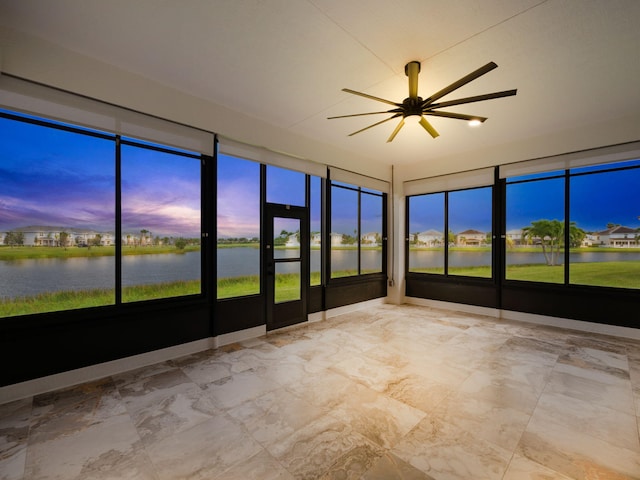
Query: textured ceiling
[574, 62]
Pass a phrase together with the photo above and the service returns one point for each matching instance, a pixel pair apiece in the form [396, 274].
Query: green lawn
[605, 274]
[22, 252]
[73, 299]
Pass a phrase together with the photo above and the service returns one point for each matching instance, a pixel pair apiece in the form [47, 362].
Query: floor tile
[390, 467]
[446, 452]
[381, 419]
[522, 468]
[390, 392]
[575, 454]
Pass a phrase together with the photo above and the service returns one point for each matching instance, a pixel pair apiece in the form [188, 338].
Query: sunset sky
[50, 177]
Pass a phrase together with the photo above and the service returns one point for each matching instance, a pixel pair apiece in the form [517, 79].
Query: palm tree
[551, 235]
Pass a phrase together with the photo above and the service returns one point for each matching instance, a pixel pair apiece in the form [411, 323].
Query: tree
[143, 236]
[180, 243]
[14, 238]
[96, 241]
[576, 235]
[64, 239]
[550, 233]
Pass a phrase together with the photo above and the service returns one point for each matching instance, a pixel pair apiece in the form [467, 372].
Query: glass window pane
[535, 226]
[315, 237]
[286, 237]
[426, 233]
[285, 186]
[57, 219]
[371, 233]
[287, 284]
[605, 229]
[470, 221]
[160, 224]
[344, 232]
[238, 227]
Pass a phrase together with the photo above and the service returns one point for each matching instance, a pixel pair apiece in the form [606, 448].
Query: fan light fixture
[416, 106]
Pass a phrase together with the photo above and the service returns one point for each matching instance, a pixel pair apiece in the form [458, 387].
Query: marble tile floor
[393, 392]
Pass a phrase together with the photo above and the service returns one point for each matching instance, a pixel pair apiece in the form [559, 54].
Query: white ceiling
[575, 63]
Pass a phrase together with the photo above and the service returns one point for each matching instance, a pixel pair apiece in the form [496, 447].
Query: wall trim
[239, 336]
[579, 325]
[334, 312]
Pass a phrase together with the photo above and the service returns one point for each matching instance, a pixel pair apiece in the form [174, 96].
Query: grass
[22, 252]
[603, 274]
[73, 299]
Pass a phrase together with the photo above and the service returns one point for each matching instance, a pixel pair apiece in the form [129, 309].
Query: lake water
[32, 276]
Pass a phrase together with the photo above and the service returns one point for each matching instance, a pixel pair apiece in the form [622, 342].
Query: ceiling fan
[414, 105]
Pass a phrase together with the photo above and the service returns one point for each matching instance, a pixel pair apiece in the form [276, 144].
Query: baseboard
[458, 307]
[242, 335]
[334, 312]
[590, 327]
[581, 326]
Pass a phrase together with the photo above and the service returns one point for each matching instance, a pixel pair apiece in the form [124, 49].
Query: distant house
[292, 241]
[46, 236]
[336, 239]
[316, 239]
[430, 238]
[471, 238]
[618, 236]
[515, 235]
[371, 238]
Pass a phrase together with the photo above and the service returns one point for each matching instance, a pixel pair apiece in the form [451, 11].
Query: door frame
[284, 314]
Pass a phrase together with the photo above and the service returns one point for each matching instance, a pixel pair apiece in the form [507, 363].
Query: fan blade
[477, 98]
[412, 69]
[459, 116]
[395, 131]
[427, 126]
[463, 81]
[395, 110]
[365, 95]
[375, 124]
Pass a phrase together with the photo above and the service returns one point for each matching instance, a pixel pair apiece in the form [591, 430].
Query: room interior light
[475, 123]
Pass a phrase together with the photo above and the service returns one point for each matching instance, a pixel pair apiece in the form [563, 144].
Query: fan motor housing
[412, 106]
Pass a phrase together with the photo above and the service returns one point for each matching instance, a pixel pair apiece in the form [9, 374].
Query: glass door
[286, 254]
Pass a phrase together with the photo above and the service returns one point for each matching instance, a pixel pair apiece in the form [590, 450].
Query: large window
[160, 223]
[605, 225]
[59, 224]
[286, 187]
[238, 210]
[535, 228]
[426, 233]
[315, 235]
[357, 230]
[470, 227]
[466, 216]
[600, 225]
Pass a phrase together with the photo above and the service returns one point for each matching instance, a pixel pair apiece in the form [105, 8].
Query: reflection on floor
[394, 392]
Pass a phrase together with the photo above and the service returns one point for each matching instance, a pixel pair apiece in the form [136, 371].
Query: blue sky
[56, 178]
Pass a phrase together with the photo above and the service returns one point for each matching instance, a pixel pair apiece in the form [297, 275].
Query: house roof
[471, 232]
[431, 232]
[620, 229]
